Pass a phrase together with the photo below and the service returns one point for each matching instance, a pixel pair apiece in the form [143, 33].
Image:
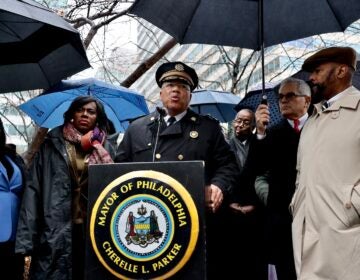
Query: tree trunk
[35, 145]
[146, 65]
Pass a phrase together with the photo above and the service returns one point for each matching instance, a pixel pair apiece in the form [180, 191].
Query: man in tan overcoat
[326, 203]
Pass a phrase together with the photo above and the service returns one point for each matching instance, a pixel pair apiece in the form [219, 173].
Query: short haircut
[251, 112]
[80, 101]
[303, 87]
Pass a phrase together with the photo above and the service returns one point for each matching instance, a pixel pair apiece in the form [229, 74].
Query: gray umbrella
[239, 23]
[38, 48]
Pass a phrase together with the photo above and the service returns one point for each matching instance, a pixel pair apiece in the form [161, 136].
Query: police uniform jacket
[194, 137]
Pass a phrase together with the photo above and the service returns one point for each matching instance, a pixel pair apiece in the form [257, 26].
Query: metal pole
[261, 41]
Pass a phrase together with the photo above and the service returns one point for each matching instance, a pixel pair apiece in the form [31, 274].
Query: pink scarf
[98, 153]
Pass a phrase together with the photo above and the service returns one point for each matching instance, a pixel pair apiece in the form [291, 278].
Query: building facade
[233, 69]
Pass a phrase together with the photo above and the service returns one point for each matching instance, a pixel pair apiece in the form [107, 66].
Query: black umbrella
[253, 98]
[252, 24]
[38, 48]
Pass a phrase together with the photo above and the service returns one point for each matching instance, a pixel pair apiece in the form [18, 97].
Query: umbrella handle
[265, 102]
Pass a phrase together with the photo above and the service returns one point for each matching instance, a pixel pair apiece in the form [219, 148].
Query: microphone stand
[162, 113]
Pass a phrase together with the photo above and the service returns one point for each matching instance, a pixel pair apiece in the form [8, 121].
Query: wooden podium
[146, 221]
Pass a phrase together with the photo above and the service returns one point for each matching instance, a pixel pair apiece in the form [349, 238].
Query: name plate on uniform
[146, 221]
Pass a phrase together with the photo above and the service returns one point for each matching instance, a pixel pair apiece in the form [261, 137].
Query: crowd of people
[283, 199]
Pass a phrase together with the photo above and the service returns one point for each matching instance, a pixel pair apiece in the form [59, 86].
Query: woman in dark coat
[12, 179]
[52, 220]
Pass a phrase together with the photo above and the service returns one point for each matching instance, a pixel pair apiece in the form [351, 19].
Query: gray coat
[45, 227]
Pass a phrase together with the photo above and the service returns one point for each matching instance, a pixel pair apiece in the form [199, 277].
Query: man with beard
[274, 152]
[326, 204]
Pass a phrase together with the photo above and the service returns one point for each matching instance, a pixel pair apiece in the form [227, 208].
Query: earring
[72, 120]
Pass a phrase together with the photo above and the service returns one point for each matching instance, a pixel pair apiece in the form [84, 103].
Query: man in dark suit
[243, 216]
[274, 151]
[176, 133]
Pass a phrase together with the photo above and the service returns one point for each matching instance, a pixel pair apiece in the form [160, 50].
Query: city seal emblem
[144, 225]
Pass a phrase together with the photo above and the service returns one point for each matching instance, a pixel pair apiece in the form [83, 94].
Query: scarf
[241, 151]
[98, 153]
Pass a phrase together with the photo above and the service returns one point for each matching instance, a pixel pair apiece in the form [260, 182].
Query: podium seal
[144, 225]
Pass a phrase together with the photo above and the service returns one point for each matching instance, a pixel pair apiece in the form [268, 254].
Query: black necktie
[171, 120]
[324, 106]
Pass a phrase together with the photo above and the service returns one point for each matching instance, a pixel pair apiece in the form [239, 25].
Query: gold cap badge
[179, 67]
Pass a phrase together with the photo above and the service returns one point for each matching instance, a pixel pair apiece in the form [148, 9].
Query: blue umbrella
[121, 104]
[218, 104]
[253, 98]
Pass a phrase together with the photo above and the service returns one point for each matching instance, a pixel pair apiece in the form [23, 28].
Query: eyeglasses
[241, 122]
[289, 95]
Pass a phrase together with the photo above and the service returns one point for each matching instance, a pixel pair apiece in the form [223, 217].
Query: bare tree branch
[146, 65]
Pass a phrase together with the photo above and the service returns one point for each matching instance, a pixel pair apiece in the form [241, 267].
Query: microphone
[162, 113]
